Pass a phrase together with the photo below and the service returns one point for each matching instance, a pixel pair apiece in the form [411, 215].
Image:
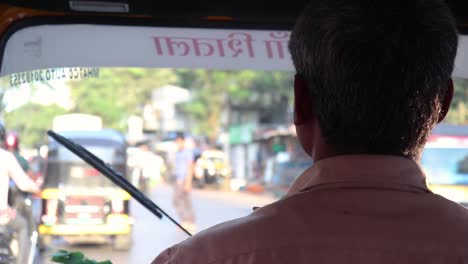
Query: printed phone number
[17, 79]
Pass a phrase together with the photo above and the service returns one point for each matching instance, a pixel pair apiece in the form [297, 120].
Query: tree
[121, 92]
[32, 133]
[209, 93]
[214, 90]
[458, 113]
[118, 93]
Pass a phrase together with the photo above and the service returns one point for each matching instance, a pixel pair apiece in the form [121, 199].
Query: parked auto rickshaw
[78, 202]
[211, 168]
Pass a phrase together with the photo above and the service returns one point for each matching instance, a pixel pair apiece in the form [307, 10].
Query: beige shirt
[347, 209]
[10, 168]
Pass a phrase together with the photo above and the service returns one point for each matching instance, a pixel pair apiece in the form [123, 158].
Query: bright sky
[57, 92]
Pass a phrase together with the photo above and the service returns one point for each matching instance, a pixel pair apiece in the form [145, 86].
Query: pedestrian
[373, 78]
[149, 167]
[183, 173]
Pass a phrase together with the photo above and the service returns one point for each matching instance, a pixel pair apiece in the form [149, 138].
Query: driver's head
[373, 76]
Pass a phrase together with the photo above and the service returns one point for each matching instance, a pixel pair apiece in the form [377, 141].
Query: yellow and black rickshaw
[77, 201]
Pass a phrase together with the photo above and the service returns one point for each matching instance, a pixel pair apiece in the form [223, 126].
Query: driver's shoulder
[221, 242]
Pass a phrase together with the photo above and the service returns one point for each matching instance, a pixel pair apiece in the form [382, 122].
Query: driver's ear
[302, 101]
[446, 101]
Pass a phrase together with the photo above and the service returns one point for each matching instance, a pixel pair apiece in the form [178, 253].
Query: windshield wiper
[115, 177]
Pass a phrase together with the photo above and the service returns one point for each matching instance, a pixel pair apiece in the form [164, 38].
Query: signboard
[241, 134]
[80, 45]
[55, 46]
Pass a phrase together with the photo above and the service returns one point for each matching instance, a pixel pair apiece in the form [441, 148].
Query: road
[152, 235]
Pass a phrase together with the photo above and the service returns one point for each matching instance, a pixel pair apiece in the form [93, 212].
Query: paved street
[152, 235]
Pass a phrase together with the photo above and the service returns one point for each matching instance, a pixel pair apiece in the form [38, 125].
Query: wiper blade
[115, 177]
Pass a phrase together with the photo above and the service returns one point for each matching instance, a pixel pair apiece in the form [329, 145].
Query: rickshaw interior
[150, 69]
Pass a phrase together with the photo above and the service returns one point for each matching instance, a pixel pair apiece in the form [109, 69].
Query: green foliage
[32, 122]
[66, 257]
[214, 91]
[208, 98]
[458, 113]
[121, 92]
[118, 93]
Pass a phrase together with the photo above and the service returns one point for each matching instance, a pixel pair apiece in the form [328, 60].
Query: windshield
[65, 169]
[170, 116]
[104, 153]
[246, 115]
[446, 166]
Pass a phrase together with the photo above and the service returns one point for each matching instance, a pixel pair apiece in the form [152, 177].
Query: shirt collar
[365, 170]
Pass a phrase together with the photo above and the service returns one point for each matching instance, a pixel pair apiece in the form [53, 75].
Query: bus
[445, 162]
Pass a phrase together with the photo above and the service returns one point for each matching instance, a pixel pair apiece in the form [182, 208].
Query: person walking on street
[183, 172]
[148, 168]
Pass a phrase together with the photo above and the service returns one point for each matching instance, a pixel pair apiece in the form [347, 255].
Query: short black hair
[377, 70]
